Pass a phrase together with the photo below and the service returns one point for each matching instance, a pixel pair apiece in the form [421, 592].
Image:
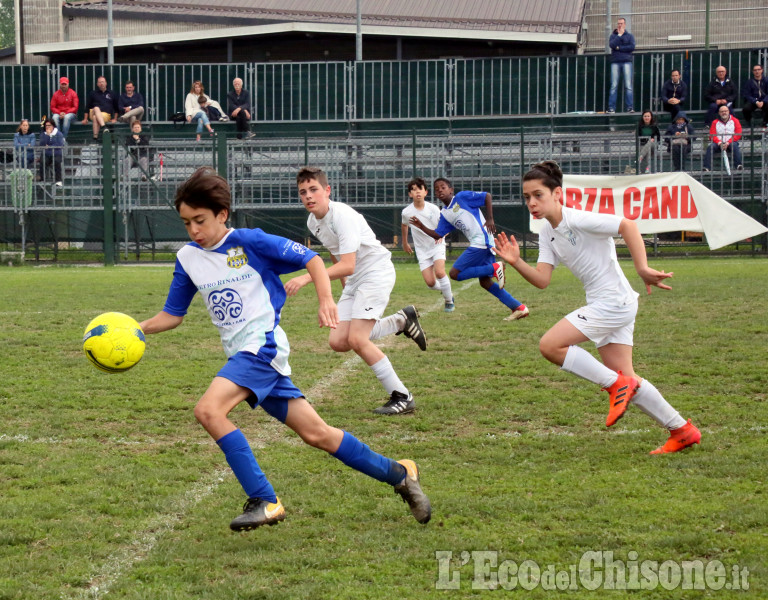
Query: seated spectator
[239, 108]
[724, 134]
[52, 142]
[64, 105]
[673, 93]
[194, 111]
[648, 136]
[721, 91]
[23, 146]
[101, 107]
[212, 108]
[755, 93]
[679, 136]
[138, 151]
[130, 105]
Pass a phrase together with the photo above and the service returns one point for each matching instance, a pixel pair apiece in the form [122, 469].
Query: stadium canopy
[550, 22]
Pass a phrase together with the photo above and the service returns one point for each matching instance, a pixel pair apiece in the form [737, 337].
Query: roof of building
[490, 16]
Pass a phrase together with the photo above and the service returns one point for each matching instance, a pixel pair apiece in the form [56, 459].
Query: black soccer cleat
[258, 512]
[410, 490]
[398, 404]
[413, 328]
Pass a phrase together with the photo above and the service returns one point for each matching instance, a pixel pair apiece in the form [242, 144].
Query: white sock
[387, 376]
[387, 326]
[445, 287]
[435, 286]
[580, 362]
[652, 403]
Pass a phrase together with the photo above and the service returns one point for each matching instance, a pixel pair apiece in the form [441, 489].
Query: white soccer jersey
[343, 230]
[423, 244]
[583, 242]
[239, 281]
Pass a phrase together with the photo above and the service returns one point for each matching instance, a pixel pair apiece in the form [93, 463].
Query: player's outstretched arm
[162, 321]
[651, 277]
[327, 314]
[430, 232]
[508, 249]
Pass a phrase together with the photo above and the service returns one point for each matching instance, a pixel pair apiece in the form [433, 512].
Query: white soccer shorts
[606, 324]
[368, 298]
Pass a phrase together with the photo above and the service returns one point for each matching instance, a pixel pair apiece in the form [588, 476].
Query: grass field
[111, 489]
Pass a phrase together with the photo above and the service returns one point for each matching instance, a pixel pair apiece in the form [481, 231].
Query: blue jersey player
[462, 212]
[237, 273]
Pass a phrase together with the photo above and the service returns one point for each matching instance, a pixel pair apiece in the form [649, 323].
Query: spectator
[724, 133]
[64, 105]
[673, 93]
[193, 109]
[755, 93]
[239, 108]
[138, 151]
[679, 137]
[101, 107]
[23, 146]
[622, 45]
[721, 91]
[52, 142]
[130, 105]
[648, 136]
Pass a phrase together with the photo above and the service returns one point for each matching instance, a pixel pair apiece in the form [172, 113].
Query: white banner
[659, 203]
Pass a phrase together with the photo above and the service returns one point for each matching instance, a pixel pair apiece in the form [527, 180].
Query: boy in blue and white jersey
[237, 273]
[462, 212]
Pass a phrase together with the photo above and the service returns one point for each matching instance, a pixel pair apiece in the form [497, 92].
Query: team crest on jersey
[456, 208]
[295, 247]
[236, 257]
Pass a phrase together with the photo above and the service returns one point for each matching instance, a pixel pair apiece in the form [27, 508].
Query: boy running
[462, 212]
[237, 272]
[583, 242]
[429, 253]
[368, 276]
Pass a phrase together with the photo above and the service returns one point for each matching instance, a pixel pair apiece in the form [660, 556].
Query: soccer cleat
[681, 438]
[413, 328]
[398, 404]
[450, 306]
[519, 313]
[620, 393]
[410, 490]
[498, 273]
[258, 512]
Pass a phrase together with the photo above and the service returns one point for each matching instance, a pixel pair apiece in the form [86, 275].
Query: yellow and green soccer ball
[113, 342]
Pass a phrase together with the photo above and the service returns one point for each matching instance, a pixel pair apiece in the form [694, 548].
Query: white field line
[143, 542]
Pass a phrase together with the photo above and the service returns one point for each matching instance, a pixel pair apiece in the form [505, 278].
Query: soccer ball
[113, 342]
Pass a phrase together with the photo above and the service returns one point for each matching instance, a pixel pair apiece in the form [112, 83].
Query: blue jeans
[733, 148]
[616, 68]
[68, 118]
[202, 120]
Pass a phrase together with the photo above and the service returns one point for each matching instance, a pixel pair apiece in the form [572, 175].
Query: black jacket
[717, 91]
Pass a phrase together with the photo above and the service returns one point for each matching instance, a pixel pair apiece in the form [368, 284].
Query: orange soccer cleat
[680, 438]
[621, 393]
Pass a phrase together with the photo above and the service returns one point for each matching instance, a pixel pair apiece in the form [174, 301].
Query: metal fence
[384, 90]
[105, 188]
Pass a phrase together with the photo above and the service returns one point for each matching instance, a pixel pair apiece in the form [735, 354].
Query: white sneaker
[498, 273]
[59, 184]
[519, 313]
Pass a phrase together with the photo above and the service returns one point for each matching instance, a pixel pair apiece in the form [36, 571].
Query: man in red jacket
[725, 134]
[64, 105]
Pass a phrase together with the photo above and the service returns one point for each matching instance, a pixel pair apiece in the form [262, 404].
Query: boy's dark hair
[307, 173]
[447, 181]
[204, 189]
[418, 182]
[548, 172]
[202, 99]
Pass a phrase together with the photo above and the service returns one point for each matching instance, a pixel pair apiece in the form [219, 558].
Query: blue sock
[353, 453]
[475, 272]
[504, 296]
[243, 463]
